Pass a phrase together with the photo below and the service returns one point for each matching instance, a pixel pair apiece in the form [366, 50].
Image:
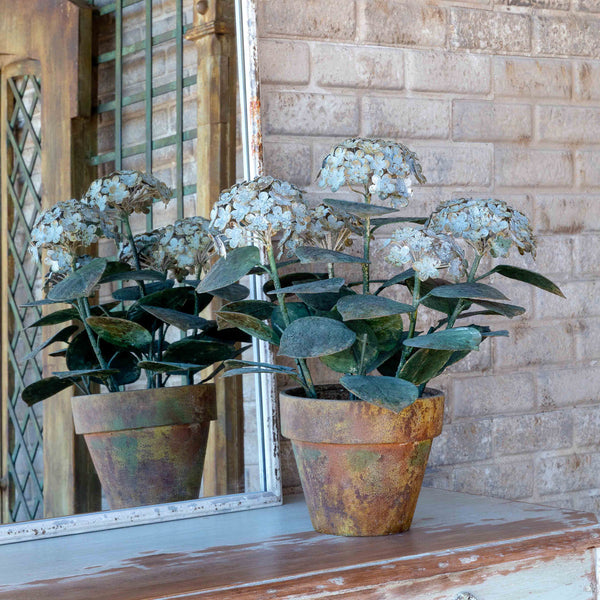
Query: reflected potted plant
[362, 445]
[147, 445]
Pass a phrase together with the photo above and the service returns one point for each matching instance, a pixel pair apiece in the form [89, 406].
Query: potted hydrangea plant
[147, 445]
[362, 445]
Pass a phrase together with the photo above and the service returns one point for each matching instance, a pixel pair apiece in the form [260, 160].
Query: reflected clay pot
[361, 465]
[148, 446]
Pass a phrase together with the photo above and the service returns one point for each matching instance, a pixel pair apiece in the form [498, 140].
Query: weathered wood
[214, 35]
[57, 33]
[497, 548]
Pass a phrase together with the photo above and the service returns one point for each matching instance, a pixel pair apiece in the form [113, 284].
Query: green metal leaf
[61, 336]
[528, 277]
[235, 364]
[293, 278]
[133, 292]
[365, 306]
[381, 221]
[126, 273]
[126, 364]
[72, 375]
[467, 290]
[80, 354]
[315, 336]
[179, 298]
[229, 269]
[81, 283]
[359, 209]
[251, 325]
[424, 365]
[198, 352]
[295, 310]
[232, 293]
[325, 302]
[167, 367]
[388, 331]
[365, 347]
[121, 332]
[400, 278]
[389, 392]
[310, 254]
[59, 316]
[269, 369]
[261, 309]
[500, 308]
[312, 287]
[44, 388]
[458, 338]
[181, 320]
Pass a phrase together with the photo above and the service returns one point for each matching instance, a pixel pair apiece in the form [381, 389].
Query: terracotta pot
[148, 446]
[361, 466]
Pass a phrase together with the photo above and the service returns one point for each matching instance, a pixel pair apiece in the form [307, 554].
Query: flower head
[486, 224]
[127, 191]
[264, 206]
[385, 169]
[426, 252]
[331, 229]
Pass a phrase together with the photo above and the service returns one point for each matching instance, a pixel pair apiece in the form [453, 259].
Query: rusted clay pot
[361, 466]
[148, 446]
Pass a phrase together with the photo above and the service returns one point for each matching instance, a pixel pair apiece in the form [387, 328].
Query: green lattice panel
[22, 195]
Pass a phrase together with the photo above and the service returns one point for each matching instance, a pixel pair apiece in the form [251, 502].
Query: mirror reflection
[162, 104]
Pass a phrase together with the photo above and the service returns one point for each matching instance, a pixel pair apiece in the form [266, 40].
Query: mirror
[157, 67]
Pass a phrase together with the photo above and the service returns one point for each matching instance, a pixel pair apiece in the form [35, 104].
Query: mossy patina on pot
[361, 465]
[148, 446]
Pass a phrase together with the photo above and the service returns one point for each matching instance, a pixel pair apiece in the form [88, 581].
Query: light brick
[351, 66]
[480, 361]
[567, 213]
[485, 396]
[581, 301]
[511, 480]
[554, 257]
[569, 387]
[542, 168]
[584, 500]
[573, 124]
[530, 77]
[529, 346]
[549, 4]
[402, 23]
[435, 71]
[310, 114]
[406, 118]
[568, 473]
[572, 35]
[587, 254]
[588, 168]
[462, 442]
[528, 433]
[309, 18]
[284, 62]
[587, 424]
[289, 161]
[490, 121]
[457, 164]
[587, 81]
[487, 30]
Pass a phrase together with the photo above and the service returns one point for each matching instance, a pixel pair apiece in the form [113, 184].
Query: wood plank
[274, 553]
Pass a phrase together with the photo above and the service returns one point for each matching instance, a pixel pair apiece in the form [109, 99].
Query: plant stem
[303, 369]
[366, 252]
[84, 311]
[134, 253]
[413, 323]
[460, 304]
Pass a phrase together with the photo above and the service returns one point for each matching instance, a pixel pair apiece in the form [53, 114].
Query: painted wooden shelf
[492, 549]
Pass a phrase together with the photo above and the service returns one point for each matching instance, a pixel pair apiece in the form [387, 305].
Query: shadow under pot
[361, 465]
[148, 446]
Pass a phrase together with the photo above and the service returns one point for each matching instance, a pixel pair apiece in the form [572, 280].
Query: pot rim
[136, 409]
[427, 393]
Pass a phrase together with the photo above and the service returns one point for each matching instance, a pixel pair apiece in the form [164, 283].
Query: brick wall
[499, 98]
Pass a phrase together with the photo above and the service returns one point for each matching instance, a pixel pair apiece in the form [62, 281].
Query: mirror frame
[250, 125]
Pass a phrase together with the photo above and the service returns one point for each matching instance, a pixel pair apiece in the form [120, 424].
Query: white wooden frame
[265, 384]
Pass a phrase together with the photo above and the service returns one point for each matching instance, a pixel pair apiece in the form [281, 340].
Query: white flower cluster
[127, 191]
[384, 168]
[65, 229]
[331, 230]
[184, 247]
[426, 252]
[264, 207]
[486, 224]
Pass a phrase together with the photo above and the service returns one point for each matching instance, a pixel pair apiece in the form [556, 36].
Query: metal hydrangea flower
[488, 225]
[385, 169]
[65, 229]
[185, 247]
[262, 207]
[127, 191]
[427, 252]
[331, 229]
